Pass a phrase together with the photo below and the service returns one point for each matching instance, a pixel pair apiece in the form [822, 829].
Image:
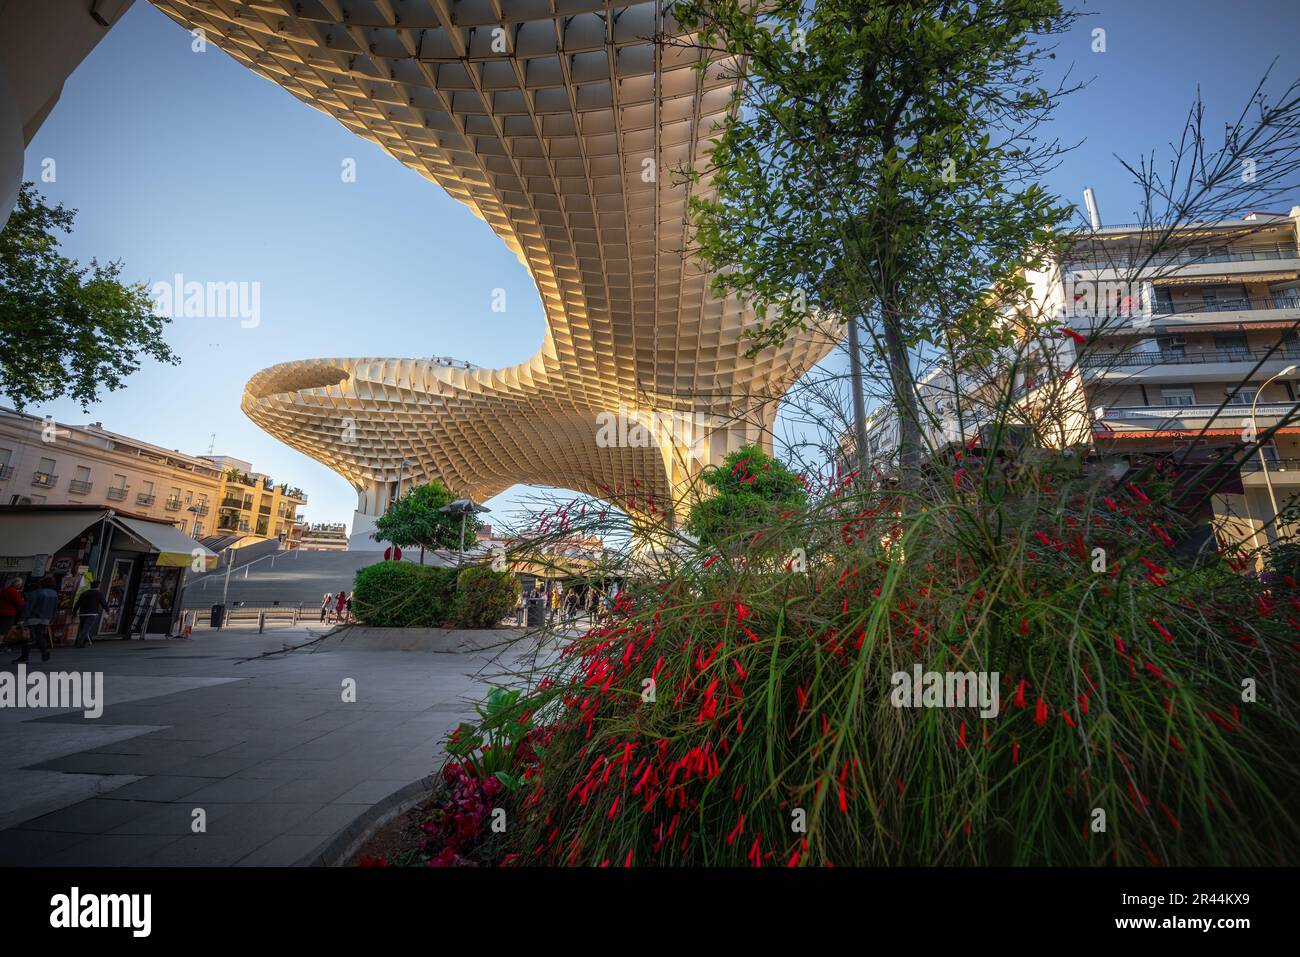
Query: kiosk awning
[24, 534]
[174, 547]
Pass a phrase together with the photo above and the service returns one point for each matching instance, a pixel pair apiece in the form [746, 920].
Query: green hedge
[404, 595]
[484, 597]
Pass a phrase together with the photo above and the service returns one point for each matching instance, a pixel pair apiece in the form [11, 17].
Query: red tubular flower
[736, 831]
[1040, 712]
[1164, 632]
[1015, 752]
[1079, 340]
[1019, 700]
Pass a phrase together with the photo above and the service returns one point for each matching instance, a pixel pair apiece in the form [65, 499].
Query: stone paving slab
[281, 766]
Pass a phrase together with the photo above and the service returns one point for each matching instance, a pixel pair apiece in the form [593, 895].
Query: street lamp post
[463, 507]
[401, 467]
[1263, 462]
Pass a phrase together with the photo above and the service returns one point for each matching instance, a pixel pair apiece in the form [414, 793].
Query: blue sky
[184, 162]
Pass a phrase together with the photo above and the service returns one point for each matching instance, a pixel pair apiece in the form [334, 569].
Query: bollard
[261, 621]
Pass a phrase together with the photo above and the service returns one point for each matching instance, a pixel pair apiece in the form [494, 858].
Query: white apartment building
[1207, 318]
[43, 462]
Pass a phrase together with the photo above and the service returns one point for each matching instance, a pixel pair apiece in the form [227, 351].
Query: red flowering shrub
[742, 708]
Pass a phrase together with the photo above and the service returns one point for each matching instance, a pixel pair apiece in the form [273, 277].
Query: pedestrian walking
[340, 606]
[41, 605]
[90, 605]
[325, 607]
[348, 606]
[11, 605]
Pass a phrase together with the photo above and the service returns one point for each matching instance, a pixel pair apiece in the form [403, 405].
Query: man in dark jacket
[42, 603]
[90, 605]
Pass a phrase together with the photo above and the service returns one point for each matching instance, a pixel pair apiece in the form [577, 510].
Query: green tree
[414, 520]
[878, 168]
[751, 490]
[66, 329]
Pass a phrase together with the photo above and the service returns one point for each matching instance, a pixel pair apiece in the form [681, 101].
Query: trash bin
[218, 616]
[536, 612]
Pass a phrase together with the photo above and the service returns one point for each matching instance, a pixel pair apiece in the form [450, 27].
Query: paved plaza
[280, 764]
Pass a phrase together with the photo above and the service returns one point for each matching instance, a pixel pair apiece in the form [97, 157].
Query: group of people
[336, 608]
[25, 618]
[567, 605]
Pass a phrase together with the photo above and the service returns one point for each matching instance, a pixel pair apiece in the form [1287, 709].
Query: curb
[337, 850]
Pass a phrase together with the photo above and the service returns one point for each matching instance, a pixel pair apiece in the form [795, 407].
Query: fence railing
[1106, 360]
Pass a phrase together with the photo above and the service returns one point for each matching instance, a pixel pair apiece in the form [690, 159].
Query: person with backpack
[90, 605]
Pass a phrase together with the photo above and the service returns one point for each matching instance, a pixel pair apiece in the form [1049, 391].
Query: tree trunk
[421, 554]
[904, 387]
[859, 402]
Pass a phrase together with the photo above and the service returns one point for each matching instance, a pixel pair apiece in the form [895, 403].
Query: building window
[1244, 395]
[81, 482]
[44, 475]
[1172, 345]
[1178, 395]
[1231, 345]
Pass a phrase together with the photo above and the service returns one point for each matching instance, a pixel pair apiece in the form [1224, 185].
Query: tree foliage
[879, 166]
[750, 490]
[414, 520]
[66, 329]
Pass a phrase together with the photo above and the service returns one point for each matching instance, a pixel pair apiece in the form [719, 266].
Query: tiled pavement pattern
[267, 748]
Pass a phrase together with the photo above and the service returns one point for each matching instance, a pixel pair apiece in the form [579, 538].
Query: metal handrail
[1258, 254]
[1233, 411]
[1104, 360]
[1252, 464]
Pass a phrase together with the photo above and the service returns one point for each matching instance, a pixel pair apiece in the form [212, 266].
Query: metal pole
[460, 557]
[1270, 529]
[225, 588]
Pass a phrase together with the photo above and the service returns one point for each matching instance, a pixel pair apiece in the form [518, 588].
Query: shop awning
[174, 547]
[24, 534]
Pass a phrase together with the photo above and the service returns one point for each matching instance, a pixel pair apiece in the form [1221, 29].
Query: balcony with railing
[229, 502]
[1264, 253]
[80, 488]
[144, 498]
[1174, 418]
[1236, 304]
[173, 503]
[200, 509]
[45, 479]
[115, 493]
[6, 471]
[1252, 464]
[1111, 360]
